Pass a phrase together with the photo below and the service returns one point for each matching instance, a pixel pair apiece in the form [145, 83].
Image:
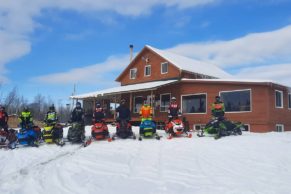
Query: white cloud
[280, 73]
[256, 48]
[94, 74]
[17, 18]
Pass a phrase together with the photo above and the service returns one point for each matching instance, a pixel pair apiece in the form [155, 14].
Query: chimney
[130, 52]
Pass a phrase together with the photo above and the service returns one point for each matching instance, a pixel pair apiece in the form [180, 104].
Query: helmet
[122, 100]
[217, 97]
[2, 107]
[52, 107]
[173, 98]
[98, 104]
[25, 109]
[78, 104]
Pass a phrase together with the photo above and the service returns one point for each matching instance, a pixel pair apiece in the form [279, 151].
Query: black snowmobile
[76, 133]
[53, 133]
[123, 130]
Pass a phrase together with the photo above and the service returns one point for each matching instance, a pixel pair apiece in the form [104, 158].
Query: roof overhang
[125, 89]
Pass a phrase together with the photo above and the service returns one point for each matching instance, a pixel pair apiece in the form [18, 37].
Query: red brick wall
[262, 118]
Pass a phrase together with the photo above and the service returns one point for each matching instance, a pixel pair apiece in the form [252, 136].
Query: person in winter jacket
[77, 114]
[51, 117]
[174, 109]
[218, 108]
[26, 118]
[99, 114]
[123, 112]
[3, 119]
[146, 112]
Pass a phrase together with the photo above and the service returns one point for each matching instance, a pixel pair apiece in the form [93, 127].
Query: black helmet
[122, 101]
[98, 104]
[2, 107]
[52, 107]
[78, 104]
[25, 109]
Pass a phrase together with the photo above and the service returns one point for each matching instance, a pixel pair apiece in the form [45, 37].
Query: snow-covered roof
[191, 65]
[124, 89]
[235, 80]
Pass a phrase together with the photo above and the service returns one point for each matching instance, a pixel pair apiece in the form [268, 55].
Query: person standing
[3, 119]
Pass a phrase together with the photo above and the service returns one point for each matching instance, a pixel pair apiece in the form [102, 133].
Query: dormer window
[164, 67]
[132, 73]
[147, 70]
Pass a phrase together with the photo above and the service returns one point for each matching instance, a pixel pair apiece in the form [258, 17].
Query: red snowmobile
[175, 128]
[99, 131]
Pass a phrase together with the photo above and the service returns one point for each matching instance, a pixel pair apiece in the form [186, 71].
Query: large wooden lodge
[158, 75]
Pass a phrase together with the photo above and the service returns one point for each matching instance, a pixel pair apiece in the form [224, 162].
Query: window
[194, 103]
[237, 101]
[279, 99]
[147, 70]
[138, 101]
[164, 67]
[132, 73]
[289, 100]
[247, 127]
[279, 128]
[165, 102]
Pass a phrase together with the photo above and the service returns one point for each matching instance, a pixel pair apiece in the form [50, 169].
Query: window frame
[195, 94]
[130, 73]
[282, 99]
[280, 125]
[162, 67]
[145, 67]
[251, 100]
[161, 101]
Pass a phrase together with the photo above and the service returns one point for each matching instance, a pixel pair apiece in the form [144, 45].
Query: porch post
[114, 107]
[152, 103]
[130, 102]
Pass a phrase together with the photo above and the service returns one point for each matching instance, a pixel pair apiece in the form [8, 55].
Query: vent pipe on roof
[130, 52]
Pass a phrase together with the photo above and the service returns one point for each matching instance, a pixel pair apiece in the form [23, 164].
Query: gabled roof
[125, 89]
[184, 63]
[191, 65]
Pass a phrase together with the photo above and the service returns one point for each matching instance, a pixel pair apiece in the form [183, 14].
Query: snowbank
[247, 164]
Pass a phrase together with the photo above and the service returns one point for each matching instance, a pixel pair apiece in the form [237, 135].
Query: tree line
[14, 103]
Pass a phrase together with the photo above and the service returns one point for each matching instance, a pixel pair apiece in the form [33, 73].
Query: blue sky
[47, 46]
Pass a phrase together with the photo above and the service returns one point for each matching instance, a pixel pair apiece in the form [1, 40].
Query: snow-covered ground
[247, 164]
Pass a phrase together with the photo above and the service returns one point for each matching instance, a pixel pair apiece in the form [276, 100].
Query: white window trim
[289, 103]
[162, 67]
[161, 100]
[280, 125]
[249, 126]
[134, 103]
[196, 94]
[251, 99]
[280, 91]
[145, 70]
[130, 74]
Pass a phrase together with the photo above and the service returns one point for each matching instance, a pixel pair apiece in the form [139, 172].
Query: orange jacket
[146, 111]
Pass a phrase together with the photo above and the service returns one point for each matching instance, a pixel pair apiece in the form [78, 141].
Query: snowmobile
[147, 129]
[99, 131]
[53, 133]
[175, 128]
[219, 127]
[123, 130]
[76, 133]
[29, 135]
[8, 139]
